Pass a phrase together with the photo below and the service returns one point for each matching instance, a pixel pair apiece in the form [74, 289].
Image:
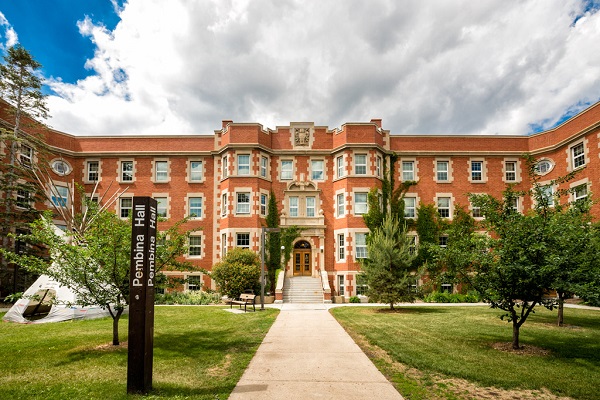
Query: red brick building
[320, 177]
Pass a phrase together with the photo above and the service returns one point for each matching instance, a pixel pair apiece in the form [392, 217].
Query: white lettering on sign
[151, 261]
[138, 256]
[152, 217]
[139, 215]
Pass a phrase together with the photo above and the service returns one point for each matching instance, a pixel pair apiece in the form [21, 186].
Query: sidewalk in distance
[308, 355]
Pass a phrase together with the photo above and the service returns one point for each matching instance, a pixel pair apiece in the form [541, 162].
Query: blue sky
[48, 29]
[182, 66]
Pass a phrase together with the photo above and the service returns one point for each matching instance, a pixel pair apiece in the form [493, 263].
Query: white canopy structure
[47, 301]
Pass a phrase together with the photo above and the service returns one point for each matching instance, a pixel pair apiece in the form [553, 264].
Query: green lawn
[199, 353]
[456, 342]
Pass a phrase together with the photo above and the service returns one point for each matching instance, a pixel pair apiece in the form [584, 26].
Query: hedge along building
[320, 178]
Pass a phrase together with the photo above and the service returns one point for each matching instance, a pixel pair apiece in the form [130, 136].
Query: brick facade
[320, 177]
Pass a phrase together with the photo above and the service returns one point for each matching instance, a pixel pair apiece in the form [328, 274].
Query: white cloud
[435, 67]
[7, 32]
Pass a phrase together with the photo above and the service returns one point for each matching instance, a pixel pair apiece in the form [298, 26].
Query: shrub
[354, 299]
[444, 297]
[187, 298]
[239, 271]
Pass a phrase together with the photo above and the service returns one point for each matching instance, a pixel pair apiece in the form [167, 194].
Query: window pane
[127, 171]
[293, 206]
[360, 203]
[360, 164]
[578, 155]
[310, 206]
[161, 208]
[92, 169]
[161, 171]
[340, 205]
[126, 205]
[244, 164]
[317, 170]
[195, 171]
[286, 169]
[409, 207]
[60, 194]
[243, 203]
[196, 207]
[195, 246]
[442, 170]
[408, 171]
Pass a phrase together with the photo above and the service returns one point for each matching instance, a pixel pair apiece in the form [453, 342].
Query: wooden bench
[245, 299]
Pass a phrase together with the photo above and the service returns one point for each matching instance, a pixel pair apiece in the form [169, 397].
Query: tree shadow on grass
[411, 310]
[172, 390]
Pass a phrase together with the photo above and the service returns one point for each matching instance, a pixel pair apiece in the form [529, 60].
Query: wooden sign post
[141, 295]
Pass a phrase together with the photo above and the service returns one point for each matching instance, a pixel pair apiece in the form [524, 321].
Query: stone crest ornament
[301, 136]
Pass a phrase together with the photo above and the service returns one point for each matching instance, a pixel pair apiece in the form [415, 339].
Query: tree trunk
[515, 337]
[116, 318]
[561, 303]
[392, 306]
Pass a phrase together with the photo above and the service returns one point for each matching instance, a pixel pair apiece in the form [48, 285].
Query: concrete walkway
[308, 355]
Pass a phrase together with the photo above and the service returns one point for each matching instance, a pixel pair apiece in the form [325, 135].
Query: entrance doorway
[302, 265]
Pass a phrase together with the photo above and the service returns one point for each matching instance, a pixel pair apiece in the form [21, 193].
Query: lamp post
[262, 264]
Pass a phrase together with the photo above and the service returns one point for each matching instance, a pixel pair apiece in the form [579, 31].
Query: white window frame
[578, 158]
[24, 199]
[264, 166]
[162, 174]
[224, 167]
[127, 174]
[378, 164]
[199, 207]
[341, 205]
[447, 208]
[191, 287]
[311, 209]
[26, 155]
[341, 285]
[339, 166]
[510, 175]
[408, 175]
[317, 170]
[197, 246]
[477, 171]
[165, 206]
[243, 167]
[59, 195]
[360, 164]
[287, 170]
[410, 210]
[224, 204]
[243, 207]
[264, 199]
[294, 202]
[439, 171]
[90, 172]
[341, 247]
[128, 207]
[548, 193]
[577, 192]
[196, 171]
[361, 207]
[360, 246]
[242, 236]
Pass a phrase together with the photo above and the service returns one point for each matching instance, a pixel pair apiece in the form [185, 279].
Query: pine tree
[21, 88]
[273, 242]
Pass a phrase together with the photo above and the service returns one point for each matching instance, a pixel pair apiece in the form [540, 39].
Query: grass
[199, 353]
[456, 342]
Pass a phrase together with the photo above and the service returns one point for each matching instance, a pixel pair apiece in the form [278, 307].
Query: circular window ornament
[544, 166]
[61, 167]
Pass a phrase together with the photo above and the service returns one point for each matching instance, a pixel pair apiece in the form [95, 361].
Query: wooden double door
[302, 262]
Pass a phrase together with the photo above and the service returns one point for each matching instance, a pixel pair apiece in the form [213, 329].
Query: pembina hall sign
[141, 295]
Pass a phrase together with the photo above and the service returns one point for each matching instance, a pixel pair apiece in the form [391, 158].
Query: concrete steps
[302, 289]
